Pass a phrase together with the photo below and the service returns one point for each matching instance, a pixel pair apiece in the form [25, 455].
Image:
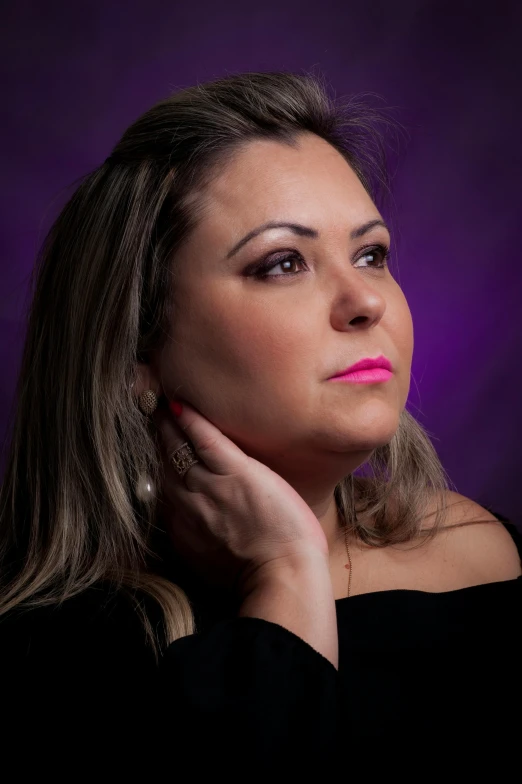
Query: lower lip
[370, 376]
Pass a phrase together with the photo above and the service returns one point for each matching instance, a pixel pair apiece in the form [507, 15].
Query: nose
[358, 304]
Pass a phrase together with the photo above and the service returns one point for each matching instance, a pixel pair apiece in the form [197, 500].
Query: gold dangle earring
[145, 490]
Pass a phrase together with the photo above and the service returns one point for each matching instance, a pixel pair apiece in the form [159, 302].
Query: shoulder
[99, 625]
[85, 664]
[475, 538]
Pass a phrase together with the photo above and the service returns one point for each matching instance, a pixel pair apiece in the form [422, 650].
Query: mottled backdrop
[75, 74]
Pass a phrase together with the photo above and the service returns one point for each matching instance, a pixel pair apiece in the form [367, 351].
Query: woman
[215, 583]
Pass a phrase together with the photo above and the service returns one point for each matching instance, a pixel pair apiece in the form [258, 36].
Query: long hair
[101, 301]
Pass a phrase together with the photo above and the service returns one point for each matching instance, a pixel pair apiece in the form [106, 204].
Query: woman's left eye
[381, 252]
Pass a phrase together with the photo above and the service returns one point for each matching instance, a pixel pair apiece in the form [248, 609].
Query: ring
[183, 458]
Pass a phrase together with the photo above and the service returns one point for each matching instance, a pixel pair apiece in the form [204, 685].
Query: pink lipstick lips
[366, 371]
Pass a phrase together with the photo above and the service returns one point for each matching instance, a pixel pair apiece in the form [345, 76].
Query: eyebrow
[302, 231]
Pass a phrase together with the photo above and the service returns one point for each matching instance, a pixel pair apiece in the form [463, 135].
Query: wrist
[283, 570]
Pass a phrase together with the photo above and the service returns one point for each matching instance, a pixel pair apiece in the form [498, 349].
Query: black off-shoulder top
[426, 682]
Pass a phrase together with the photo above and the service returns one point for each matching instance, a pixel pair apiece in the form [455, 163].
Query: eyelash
[261, 272]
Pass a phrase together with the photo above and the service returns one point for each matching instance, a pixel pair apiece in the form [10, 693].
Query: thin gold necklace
[349, 564]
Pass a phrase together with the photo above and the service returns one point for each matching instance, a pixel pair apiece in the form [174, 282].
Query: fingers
[172, 436]
[176, 486]
[217, 452]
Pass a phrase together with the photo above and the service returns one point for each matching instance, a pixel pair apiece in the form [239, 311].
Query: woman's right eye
[284, 260]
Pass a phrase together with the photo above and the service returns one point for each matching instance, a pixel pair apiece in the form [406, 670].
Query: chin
[376, 422]
[373, 430]
[360, 439]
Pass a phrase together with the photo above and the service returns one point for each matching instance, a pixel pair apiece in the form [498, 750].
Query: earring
[148, 401]
[145, 490]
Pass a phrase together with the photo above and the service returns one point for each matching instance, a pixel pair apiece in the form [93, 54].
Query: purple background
[77, 74]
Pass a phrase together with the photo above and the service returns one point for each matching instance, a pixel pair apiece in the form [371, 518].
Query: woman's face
[254, 355]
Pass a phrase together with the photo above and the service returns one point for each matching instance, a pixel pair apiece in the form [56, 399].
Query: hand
[231, 517]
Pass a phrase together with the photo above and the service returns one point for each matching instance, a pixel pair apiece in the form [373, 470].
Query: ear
[146, 378]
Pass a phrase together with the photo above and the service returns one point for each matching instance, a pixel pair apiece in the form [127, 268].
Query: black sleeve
[253, 689]
[245, 697]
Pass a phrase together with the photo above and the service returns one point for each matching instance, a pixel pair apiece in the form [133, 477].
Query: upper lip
[366, 364]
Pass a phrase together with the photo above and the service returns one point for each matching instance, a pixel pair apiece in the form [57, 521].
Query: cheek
[239, 364]
[232, 340]
[404, 331]
[271, 349]
[401, 332]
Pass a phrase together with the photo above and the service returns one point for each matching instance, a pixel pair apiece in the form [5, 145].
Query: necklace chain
[349, 559]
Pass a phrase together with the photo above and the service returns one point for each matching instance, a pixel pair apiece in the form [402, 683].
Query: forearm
[298, 596]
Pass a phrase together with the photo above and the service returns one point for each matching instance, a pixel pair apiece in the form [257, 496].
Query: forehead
[267, 176]
[266, 180]
[268, 170]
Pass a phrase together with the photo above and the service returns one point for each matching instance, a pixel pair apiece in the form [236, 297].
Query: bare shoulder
[474, 537]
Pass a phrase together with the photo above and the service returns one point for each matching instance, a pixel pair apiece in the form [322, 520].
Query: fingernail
[175, 407]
